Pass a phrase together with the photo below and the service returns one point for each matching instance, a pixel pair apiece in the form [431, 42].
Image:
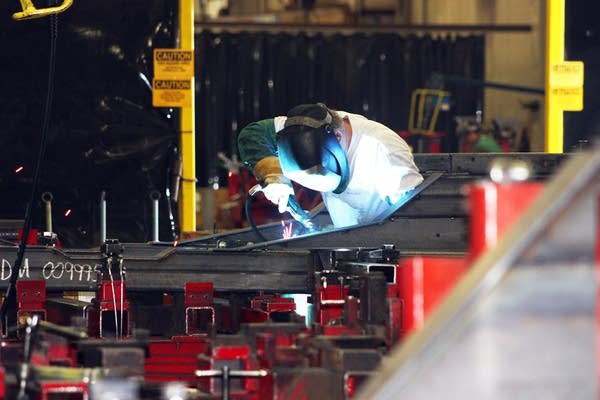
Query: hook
[30, 12]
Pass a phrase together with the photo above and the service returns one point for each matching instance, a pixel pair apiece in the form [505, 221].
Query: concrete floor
[533, 337]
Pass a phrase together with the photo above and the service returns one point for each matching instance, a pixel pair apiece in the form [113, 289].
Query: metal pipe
[225, 383]
[360, 28]
[155, 196]
[47, 198]
[102, 217]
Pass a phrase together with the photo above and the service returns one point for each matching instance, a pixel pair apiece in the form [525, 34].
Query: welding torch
[293, 207]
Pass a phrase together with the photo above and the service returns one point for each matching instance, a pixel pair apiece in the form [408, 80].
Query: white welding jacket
[381, 167]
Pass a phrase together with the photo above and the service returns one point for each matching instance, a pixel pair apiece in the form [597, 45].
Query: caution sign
[568, 98]
[173, 64]
[566, 85]
[172, 92]
[566, 74]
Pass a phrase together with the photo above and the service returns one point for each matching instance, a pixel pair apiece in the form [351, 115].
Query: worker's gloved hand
[275, 186]
[277, 189]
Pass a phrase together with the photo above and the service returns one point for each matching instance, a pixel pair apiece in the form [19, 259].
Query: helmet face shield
[310, 154]
[316, 178]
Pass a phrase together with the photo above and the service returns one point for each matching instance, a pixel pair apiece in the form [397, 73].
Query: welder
[361, 167]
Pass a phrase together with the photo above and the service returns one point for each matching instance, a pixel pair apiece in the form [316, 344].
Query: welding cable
[10, 295]
[247, 209]
[112, 287]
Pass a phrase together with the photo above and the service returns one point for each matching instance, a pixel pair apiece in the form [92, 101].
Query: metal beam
[155, 267]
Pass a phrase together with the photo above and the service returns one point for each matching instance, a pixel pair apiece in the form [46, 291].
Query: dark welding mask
[309, 152]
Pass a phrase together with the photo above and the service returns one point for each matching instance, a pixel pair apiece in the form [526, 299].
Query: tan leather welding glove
[276, 187]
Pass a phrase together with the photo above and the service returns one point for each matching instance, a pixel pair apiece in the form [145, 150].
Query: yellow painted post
[564, 79]
[555, 53]
[187, 203]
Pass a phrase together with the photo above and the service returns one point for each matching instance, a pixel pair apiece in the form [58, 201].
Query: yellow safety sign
[566, 85]
[173, 64]
[566, 74]
[568, 98]
[172, 92]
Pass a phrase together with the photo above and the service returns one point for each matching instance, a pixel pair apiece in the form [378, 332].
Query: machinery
[232, 317]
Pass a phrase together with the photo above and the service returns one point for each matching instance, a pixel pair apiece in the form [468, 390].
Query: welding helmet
[309, 152]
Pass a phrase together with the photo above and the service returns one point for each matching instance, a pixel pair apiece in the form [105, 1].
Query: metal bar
[265, 26]
[47, 199]
[417, 234]
[411, 194]
[477, 164]
[155, 197]
[102, 217]
[496, 85]
[152, 267]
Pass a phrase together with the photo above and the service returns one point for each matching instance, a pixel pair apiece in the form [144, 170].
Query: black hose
[250, 219]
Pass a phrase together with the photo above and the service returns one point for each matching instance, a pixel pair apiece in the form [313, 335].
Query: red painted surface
[111, 297]
[423, 282]
[32, 236]
[494, 208]
[31, 294]
[237, 357]
[110, 292]
[262, 306]
[330, 304]
[175, 359]
[198, 294]
[31, 299]
[272, 303]
[66, 390]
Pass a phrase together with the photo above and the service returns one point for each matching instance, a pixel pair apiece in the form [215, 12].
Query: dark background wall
[247, 76]
[582, 43]
[104, 134]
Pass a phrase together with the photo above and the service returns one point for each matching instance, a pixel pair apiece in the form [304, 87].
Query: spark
[287, 230]
[19, 169]
[67, 212]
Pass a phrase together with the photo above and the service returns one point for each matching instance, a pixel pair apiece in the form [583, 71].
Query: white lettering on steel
[54, 271]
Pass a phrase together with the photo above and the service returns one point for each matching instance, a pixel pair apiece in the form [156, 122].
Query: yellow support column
[555, 53]
[564, 79]
[187, 203]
